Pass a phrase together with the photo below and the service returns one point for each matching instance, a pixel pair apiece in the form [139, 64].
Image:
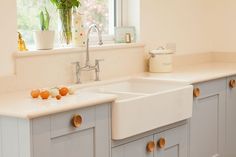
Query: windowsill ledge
[75, 50]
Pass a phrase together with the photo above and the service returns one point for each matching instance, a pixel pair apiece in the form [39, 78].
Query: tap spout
[100, 42]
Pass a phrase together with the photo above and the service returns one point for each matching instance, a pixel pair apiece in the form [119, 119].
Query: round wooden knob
[150, 146]
[232, 83]
[161, 143]
[196, 92]
[76, 121]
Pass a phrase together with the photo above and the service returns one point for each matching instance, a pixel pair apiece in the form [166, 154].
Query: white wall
[184, 22]
[224, 36]
[195, 26]
[8, 36]
[188, 23]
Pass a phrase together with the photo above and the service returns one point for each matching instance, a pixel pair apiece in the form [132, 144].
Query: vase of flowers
[44, 38]
[65, 17]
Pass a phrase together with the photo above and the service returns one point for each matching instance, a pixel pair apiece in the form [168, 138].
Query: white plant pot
[44, 40]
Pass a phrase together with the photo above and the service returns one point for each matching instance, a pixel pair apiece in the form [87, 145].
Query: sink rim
[137, 95]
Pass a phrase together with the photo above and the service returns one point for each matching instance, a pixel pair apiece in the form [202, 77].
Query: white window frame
[119, 12]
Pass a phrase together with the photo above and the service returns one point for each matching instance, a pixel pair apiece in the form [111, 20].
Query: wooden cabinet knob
[232, 83]
[150, 146]
[76, 121]
[196, 92]
[161, 143]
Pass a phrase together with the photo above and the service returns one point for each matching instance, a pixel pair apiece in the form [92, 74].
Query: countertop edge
[212, 78]
[38, 114]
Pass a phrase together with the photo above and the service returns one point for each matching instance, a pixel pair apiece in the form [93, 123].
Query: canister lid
[161, 51]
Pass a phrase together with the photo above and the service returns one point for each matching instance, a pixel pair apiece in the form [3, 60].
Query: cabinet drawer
[211, 87]
[61, 124]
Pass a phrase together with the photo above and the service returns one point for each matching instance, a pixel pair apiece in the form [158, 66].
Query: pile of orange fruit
[57, 93]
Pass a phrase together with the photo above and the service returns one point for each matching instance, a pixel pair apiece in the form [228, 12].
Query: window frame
[118, 13]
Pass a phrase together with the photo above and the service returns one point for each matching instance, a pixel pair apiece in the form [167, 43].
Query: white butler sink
[144, 104]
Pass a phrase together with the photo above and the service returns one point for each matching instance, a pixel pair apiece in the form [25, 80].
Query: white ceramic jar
[161, 61]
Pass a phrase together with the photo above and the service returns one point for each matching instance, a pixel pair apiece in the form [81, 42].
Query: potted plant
[65, 15]
[44, 38]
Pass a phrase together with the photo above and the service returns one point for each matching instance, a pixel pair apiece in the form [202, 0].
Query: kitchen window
[101, 12]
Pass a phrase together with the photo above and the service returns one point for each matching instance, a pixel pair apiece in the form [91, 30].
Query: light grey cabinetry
[175, 145]
[55, 136]
[231, 117]
[133, 149]
[207, 125]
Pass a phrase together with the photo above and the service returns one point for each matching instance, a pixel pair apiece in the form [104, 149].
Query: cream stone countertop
[197, 73]
[21, 105]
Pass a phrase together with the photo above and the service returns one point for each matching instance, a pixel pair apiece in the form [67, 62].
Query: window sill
[76, 50]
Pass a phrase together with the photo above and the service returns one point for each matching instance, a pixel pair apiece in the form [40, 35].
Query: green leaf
[75, 3]
[55, 2]
[47, 20]
[65, 4]
[41, 18]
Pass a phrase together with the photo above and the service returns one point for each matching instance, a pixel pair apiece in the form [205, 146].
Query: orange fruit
[58, 97]
[44, 94]
[63, 91]
[35, 93]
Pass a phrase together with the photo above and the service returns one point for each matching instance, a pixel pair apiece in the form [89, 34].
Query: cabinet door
[207, 125]
[231, 119]
[134, 149]
[174, 144]
[54, 136]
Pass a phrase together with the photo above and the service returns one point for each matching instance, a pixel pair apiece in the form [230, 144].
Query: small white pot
[44, 40]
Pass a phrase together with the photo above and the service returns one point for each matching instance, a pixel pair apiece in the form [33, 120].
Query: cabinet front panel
[133, 149]
[53, 136]
[172, 151]
[207, 125]
[204, 127]
[231, 120]
[175, 144]
[80, 144]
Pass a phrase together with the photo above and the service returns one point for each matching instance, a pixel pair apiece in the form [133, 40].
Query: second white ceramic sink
[144, 104]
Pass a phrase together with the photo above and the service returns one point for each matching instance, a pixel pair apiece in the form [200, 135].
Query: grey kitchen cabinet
[136, 148]
[211, 132]
[231, 117]
[174, 145]
[207, 128]
[56, 136]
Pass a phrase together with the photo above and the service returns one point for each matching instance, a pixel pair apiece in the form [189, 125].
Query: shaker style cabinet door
[207, 125]
[141, 148]
[80, 133]
[231, 117]
[172, 143]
